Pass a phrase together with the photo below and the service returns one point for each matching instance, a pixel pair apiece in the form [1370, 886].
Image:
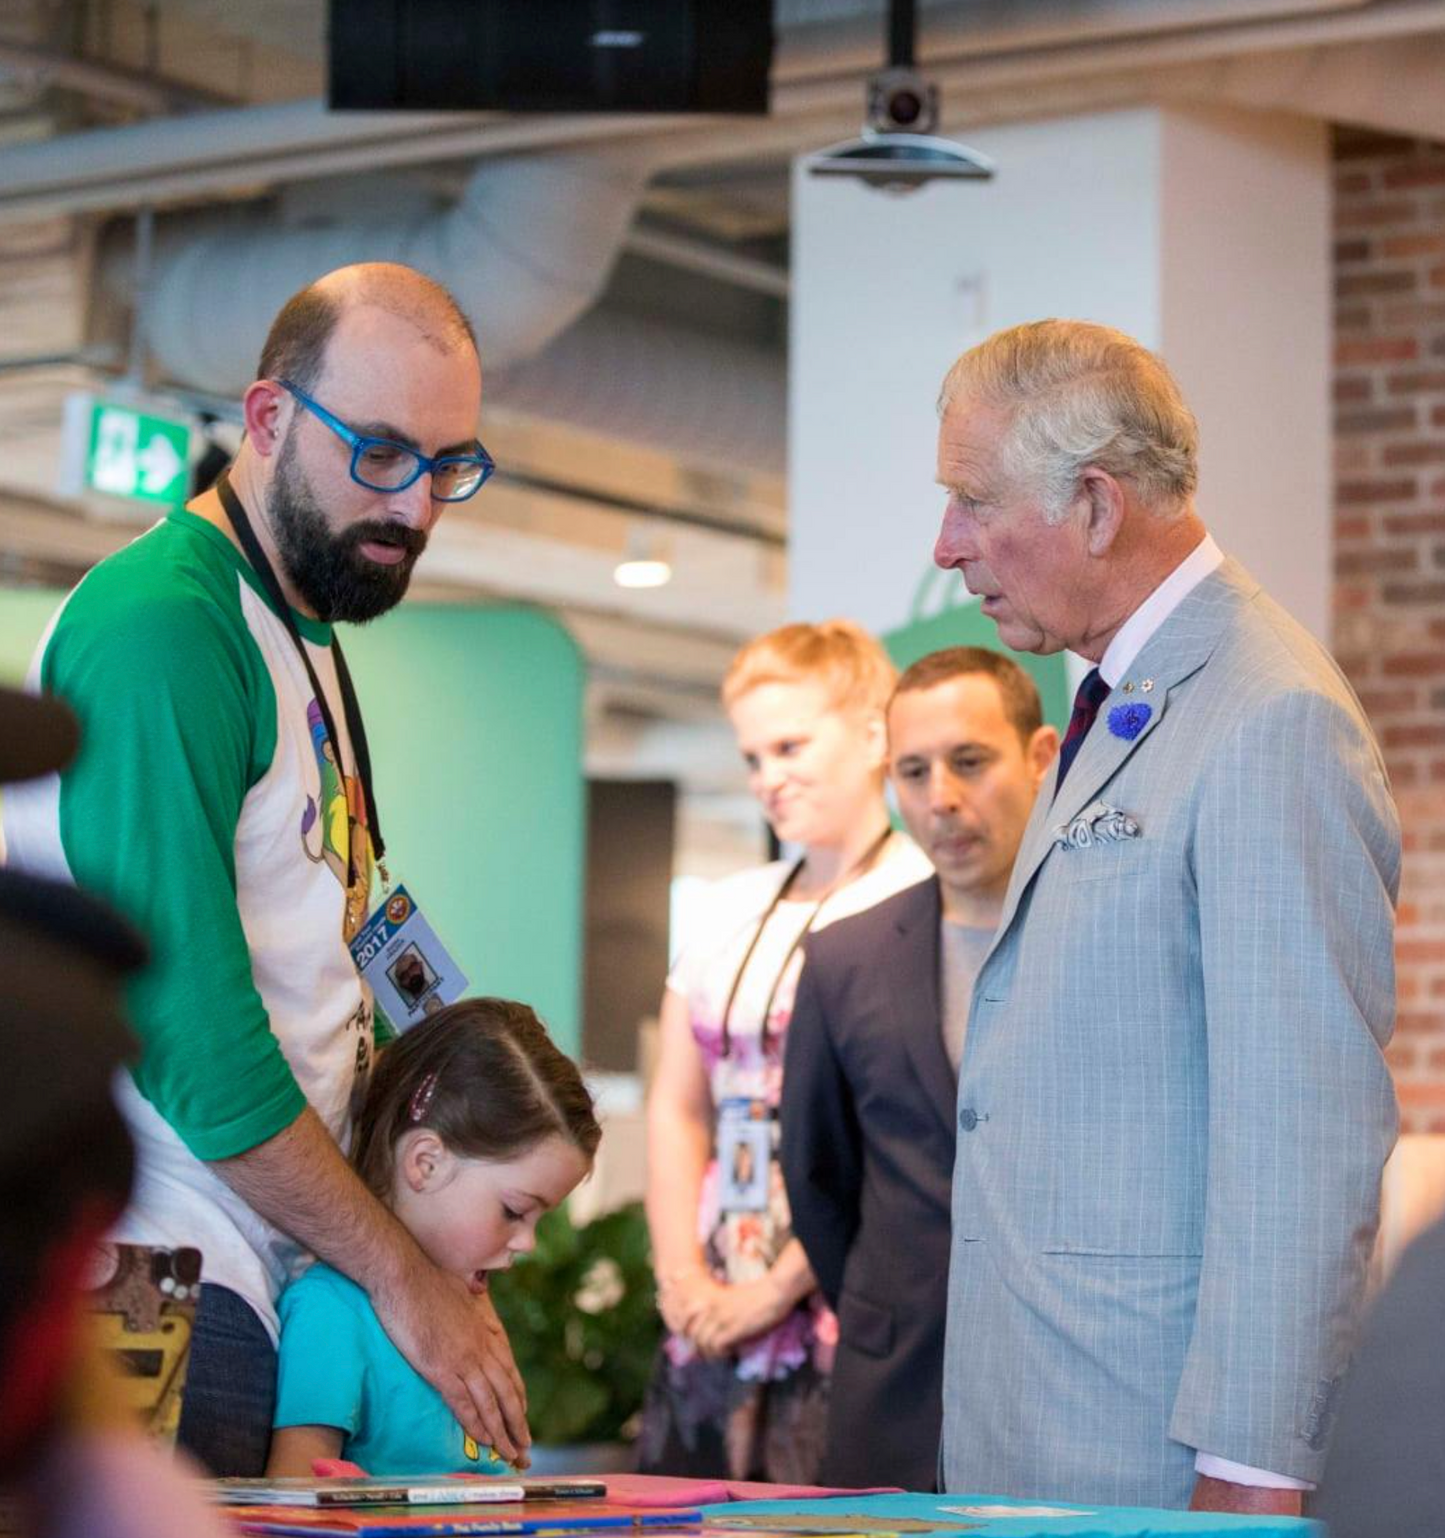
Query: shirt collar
[1201, 562]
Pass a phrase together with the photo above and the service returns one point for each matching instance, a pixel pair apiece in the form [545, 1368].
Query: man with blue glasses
[224, 802]
[364, 569]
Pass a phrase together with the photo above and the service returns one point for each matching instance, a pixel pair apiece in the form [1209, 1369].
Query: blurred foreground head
[65, 1154]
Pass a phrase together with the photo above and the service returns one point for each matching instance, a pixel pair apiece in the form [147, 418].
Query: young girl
[474, 1126]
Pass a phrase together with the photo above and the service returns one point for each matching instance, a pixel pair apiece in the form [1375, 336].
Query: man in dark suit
[873, 1050]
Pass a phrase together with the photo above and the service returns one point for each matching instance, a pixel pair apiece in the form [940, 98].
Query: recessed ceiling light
[644, 560]
[644, 573]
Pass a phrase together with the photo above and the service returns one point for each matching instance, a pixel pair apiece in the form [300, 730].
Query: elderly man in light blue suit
[1173, 1107]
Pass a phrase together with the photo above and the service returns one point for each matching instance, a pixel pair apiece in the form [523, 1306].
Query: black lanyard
[349, 703]
[856, 869]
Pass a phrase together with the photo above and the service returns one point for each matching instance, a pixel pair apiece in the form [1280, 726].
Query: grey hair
[1081, 394]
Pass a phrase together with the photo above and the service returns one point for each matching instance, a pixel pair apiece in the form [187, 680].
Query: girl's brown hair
[483, 1075]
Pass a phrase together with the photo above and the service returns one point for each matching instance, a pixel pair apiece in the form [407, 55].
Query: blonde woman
[741, 1384]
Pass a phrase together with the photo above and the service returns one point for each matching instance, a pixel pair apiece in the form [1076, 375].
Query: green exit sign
[122, 450]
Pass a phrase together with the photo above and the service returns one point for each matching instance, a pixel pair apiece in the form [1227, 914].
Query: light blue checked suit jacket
[1173, 1107]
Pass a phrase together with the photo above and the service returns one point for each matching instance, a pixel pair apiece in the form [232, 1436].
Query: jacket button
[968, 1119]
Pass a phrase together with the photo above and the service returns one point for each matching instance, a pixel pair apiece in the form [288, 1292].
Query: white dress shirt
[1202, 561]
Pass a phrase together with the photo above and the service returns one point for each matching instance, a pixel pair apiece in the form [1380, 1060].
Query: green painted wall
[938, 620]
[475, 721]
[474, 716]
[24, 613]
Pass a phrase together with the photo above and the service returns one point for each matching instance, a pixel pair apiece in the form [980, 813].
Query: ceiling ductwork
[526, 248]
[995, 60]
[660, 386]
[662, 408]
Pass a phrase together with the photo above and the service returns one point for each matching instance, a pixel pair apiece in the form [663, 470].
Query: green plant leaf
[586, 1368]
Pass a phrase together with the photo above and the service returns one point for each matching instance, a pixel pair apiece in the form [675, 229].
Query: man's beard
[328, 570]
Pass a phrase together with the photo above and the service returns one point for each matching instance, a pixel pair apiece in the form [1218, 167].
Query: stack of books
[441, 1506]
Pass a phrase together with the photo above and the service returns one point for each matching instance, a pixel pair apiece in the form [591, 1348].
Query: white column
[1205, 234]
[1245, 323]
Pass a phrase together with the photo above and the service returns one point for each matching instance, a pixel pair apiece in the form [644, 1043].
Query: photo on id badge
[413, 976]
[743, 1151]
[408, 968]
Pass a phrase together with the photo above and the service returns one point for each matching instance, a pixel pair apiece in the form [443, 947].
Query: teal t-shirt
[339, 1368]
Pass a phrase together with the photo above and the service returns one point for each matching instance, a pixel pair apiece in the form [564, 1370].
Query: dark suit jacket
[867, 1150]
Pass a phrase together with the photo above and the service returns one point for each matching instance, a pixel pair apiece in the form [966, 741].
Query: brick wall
[1389, 611]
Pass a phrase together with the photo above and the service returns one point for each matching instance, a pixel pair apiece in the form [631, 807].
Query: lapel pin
[1147, 685]
[1129, 687]
[1127, 721]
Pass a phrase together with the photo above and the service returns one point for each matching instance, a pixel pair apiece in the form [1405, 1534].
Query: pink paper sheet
[666, 1490]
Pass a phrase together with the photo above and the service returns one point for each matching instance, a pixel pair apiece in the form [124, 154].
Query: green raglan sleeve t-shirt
[207, 803]
[178, 719]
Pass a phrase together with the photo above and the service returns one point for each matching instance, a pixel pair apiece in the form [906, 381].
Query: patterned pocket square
[1098, 823]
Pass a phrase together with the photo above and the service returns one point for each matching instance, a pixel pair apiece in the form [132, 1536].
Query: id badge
[744, 1152]
[409, 969]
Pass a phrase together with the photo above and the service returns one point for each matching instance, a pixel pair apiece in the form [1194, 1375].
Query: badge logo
[398, 908]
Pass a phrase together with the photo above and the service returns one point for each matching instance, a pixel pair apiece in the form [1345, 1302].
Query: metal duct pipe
[718, 402]
[153, 162]
[526, 249]
[74, 162]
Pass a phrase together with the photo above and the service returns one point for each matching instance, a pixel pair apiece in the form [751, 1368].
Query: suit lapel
[1177, 650]
[917, 1005]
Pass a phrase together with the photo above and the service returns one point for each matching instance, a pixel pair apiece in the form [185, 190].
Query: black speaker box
[552, 55]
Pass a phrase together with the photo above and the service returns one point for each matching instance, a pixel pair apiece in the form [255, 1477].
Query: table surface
[1084, 1522]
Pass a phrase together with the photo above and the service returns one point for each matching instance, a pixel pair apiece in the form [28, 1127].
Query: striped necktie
[1093, 691]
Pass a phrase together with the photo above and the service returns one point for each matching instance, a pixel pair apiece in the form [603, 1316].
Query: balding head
[374, 357]
[296, 345]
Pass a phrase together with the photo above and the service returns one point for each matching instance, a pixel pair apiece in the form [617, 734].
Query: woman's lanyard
[349, 703]
[863, 863]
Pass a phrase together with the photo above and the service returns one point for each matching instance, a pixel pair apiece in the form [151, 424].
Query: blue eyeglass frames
[381, 465]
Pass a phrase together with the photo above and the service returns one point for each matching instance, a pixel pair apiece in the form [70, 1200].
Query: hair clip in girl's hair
[421, 1098]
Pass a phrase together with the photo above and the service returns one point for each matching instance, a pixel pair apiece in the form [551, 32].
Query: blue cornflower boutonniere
[1127, 721]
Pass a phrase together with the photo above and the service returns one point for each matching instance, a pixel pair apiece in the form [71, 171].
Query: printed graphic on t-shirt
[328, 821]
[361, 1025]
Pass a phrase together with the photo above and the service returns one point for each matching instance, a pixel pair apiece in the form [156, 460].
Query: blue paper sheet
[1091, 1522]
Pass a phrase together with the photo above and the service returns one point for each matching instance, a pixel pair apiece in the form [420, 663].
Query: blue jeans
[230, 1389]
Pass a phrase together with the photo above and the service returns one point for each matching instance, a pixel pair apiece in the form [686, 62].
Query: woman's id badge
[409, 970]
[744, 1151]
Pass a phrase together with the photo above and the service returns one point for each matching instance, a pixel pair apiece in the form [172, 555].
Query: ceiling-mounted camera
[900, 162]
[902, 101]
[897, 150]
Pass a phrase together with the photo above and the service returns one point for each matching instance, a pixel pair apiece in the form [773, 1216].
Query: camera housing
[900, 162]
[900, 100]
[897, 150]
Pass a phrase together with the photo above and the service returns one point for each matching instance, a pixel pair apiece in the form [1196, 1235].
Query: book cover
[540, 1519]
[544, 1487]
[380, 1490]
